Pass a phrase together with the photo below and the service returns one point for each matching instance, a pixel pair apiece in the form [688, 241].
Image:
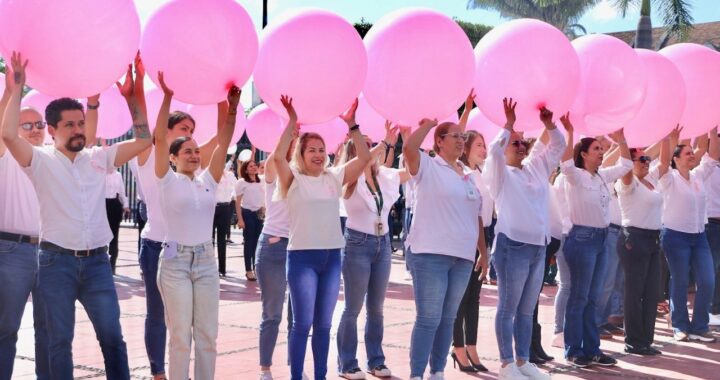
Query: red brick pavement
[240, 318]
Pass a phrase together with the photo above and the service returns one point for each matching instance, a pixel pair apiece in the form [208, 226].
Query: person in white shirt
[313, 192]
[712, 231]
[446, 232]
[584, 250]
[639, 250]
[366, 259]
[116, 206]
[223, 214]
[250, 208]
[683, 237]
[519, 185]
[187, 276]
[69, 181]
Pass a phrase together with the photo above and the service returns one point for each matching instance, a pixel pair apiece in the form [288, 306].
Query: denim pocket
[7, 246]
[581, 235]
[352, 239]
[47, 258]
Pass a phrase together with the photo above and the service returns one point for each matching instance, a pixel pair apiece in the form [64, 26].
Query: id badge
[169, 250]
[378, 228]
[471, 191]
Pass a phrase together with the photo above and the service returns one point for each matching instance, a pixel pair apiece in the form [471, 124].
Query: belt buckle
[34, 240]
[83, 253]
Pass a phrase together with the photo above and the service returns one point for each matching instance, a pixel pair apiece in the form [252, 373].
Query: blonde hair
[349, 153]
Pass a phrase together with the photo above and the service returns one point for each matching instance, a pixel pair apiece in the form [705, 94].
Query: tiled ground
[240, 318]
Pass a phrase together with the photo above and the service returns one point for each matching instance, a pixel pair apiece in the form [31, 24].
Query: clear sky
[603, 18]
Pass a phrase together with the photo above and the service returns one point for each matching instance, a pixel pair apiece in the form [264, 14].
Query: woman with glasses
[639, 249]
[588, 198]
[447, 230]
[519, 185]
[683, 237]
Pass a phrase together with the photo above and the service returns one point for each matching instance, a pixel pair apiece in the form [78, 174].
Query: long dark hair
[244, 172]
[676, 154]
[177, 144]
[583, 146]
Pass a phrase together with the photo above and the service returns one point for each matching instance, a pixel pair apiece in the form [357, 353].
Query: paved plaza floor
[240, 319]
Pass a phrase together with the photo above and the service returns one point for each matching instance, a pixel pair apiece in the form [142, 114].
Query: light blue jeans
[439, 283]
[563, 293]
[366, 271]
[270, 261]
[519, 268]
[613, 284]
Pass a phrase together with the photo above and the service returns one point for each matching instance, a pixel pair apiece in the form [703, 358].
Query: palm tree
[676, 17]
[563, 14]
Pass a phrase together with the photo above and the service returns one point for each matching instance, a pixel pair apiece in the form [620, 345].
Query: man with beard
[70, 184]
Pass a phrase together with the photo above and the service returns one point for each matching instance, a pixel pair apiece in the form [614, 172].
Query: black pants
[141, 220]
[251, 234]
[550, 251]
[639, 253]
[114, 209]
[221, 223]
[465, 330]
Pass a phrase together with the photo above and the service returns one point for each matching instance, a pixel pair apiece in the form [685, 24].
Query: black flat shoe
[543, 355]
[535, 359]
[478, 366]
[638, 350]
[456, 362]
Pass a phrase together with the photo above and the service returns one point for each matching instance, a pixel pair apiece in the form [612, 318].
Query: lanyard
[378, 197]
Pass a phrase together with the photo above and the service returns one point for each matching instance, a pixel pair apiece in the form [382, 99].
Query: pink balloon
[114, 119]
[480, 123]
[317, 58]
[700, 69]
[530, 61]
[75, 48]
[664, 103]
[202, 47]
[371, 122]
[206, 118]
[154, 99]
[420, 65]
[2, 82]
[612, 86]
[264, 128]
[333, 132]
[37, 100]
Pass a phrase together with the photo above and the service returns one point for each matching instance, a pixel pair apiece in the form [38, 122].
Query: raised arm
[469, 102]
[91, 120]
[494, 169]
[4, 102]
[666, 147]
[18, 146]
[355, 167]
[384, 149]
[714, 145]
[207, 149]
[556, 143]
[611, 157]
[565, 121]
[224, 135]
[282, 167]
[142, 139]
[162, 150]
[411, 147]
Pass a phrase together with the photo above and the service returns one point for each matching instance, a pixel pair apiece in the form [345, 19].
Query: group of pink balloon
[414, 63]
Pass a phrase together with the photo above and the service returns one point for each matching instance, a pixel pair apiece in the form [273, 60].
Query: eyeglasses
[643, 159]
[517, 143]
[457, 135]
[29, 126]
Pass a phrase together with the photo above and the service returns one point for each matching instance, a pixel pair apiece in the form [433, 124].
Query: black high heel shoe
[478, 366]
[467, 368]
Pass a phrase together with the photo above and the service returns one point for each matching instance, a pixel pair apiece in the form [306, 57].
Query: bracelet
[354, 128]
[93, 107]
[232, 112]
[387, 145]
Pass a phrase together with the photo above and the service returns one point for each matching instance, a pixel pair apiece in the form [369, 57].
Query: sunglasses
[643, 159]
[517, 143]
[457, 135]
[29, 126]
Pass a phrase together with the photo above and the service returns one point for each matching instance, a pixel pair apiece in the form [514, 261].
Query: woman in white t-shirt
[250, 208]
[366, 259]
[313, 192]
[683, 236]
[188, 274]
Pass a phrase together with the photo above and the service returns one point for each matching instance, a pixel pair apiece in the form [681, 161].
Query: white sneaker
[266, 375]
[305, 376]
[416, 378]
[437, 376]
[531, 371]
[353, 374]
[714, 320]
[511, 372]
[558, 341]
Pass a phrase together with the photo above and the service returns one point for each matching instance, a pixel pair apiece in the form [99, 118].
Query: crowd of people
[620, 221]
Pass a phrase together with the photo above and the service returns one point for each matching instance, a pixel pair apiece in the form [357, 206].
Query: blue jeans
[712, 231]
[313, 276]
[18, 270]
[366, 271]
[685, 252]
[563, 293]
[586, 257]
[439, 283]
[270, 260]
[155, 331]
[613, 282]
[520, 268]
[63, 279]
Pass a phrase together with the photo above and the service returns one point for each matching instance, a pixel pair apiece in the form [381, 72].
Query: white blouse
[684, 202]
[447, 210]
[277, 218]
[588, 195]
[640, 206]
[188, 206]
[19, 204]
[115, 187]
[712, 186]
[362, 208]
[253, 194]
[559, 190]
[488, 204]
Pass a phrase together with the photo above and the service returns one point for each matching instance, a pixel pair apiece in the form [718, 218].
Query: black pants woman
[251, 234]
[114, 209]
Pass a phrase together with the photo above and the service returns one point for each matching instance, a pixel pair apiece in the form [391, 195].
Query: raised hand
[405, 133]
[93, 100]
[509, 107]
[139, 68]
[349, 115]
[233, 96]
[674, 135]
[546, 116]
[287, 102]
[565, 121]
[391, 133]
[18, 70]
[127, 88]
[166, 90]
[618, 136]
[428, 123]
[470, 100]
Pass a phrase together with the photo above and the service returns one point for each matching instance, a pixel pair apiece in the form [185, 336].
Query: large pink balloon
[264, 128]
[75, 48]
[420, 65]
[700, 69]
[2, 82]
[529, 61]
[317, 58]
[333, 132]
[202, 47]
[206, 116]
[612, 86]
[480, 123]
[664, 103]
[154, 99]
[114, 119]
[37, 100]
[371, 122]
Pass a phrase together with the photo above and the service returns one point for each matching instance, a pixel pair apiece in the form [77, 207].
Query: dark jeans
[712, 230]
[536, 341]
[251, 234]
[114, 209]
[64, 279]
[140, 219]
[639, 252]
[466, 323]
[155, 331]
[221, 224]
